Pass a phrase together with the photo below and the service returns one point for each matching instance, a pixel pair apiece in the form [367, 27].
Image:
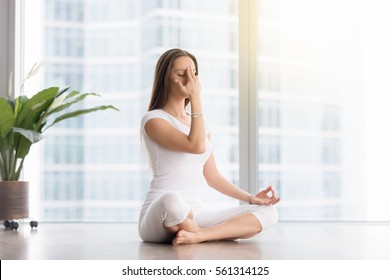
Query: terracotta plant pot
[14, 202]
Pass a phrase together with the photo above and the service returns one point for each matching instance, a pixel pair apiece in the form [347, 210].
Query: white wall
[3, 47]
[7, 42]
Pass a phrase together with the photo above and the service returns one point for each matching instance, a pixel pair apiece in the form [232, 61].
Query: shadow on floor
[222, 250]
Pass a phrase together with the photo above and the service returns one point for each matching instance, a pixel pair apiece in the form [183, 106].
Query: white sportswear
[176, 189]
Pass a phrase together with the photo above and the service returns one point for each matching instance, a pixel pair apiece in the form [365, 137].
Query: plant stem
[17, 174]
[2, 171]
[16, 171]
[4, 160]
[12, 164]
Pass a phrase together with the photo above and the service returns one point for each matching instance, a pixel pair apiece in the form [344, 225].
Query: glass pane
[94, 168]
[318, 98]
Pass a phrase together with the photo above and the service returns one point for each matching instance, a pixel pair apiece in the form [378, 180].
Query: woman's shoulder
[153, 114]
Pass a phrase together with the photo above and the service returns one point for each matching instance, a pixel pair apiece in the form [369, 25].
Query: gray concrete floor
[111, 241]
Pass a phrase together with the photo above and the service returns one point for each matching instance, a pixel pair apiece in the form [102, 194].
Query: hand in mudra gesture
[265, 197]
[192, 87]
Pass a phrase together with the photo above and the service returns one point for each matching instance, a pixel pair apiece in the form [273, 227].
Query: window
[317, 131]
[93, 168]
[314, 120]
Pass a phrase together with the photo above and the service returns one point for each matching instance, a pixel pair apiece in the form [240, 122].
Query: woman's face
[178, 71]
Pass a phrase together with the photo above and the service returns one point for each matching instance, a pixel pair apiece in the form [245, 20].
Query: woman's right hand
[192, 88]
[265, 197]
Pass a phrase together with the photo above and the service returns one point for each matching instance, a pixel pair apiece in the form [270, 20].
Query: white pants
[170, 209]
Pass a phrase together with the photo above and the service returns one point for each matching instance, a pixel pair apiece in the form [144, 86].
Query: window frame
[248, 99]
[11, 55]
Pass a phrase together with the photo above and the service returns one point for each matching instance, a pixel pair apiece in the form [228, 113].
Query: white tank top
[173, 171]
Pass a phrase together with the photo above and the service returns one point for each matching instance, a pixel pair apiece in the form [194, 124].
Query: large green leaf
[70, 103]
[22, 148]
[30, 135]
[30, 113]
[28, 138]
[72, 94]
[19, 103]
[7, 119]
[60, 92]
[80, 112]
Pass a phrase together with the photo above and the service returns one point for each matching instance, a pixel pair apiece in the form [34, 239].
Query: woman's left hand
[265, 197]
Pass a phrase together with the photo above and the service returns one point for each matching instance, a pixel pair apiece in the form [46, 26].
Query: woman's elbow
[196, 146]
[199, 149]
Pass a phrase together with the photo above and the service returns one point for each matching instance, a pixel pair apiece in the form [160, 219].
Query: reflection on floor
[286, 241]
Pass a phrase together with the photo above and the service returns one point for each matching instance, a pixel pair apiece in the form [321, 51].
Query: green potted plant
[23, 121]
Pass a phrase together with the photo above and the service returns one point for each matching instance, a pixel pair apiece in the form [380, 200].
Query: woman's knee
[175, 209]
[170, 201]
[273, 214]
[267, 215]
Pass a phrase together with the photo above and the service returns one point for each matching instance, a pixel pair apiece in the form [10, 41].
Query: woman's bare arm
[220, 183]
[215, 180]
[168, 136]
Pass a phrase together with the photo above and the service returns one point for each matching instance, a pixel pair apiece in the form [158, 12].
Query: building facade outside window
[94, 168]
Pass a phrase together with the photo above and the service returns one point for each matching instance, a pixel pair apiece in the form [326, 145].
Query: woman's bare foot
[243, 226]
[186, 237]
[188, 225]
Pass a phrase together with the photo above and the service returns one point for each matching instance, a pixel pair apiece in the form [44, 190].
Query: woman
[181, 157]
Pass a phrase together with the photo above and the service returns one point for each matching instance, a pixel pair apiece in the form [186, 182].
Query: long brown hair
[160, 90]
